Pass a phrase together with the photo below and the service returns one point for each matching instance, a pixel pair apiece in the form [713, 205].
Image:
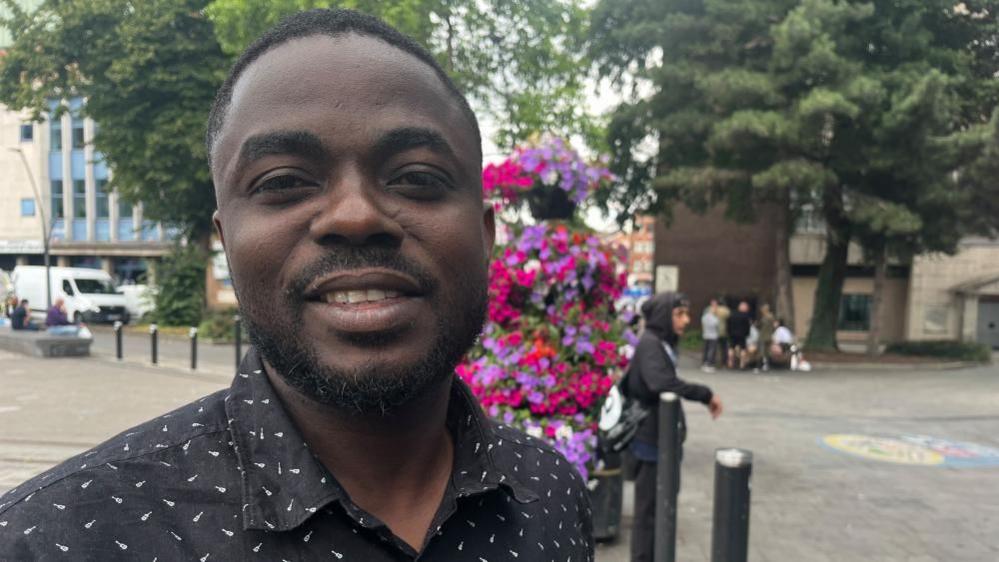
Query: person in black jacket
[738, 331]
[652, 371]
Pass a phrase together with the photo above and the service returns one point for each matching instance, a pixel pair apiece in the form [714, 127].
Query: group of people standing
[737, 340]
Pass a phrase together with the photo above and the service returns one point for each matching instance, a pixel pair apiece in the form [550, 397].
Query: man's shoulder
[107, 468]
[532, 460]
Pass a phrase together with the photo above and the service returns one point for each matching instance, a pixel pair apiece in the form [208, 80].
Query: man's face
[681, 319]
[744, 307]
[350, 208]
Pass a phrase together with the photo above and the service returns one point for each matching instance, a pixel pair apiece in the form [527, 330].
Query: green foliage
[148, 72]
[863, 111]
[523, 63]
[218, 325]
[944, 349]
[691, 340]
[181, 287]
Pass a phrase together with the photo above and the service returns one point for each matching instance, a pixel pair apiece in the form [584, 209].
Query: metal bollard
[730, 530]
[117, 340]
[667, 477]
[153, 337]
[238, 328]
[194, 347]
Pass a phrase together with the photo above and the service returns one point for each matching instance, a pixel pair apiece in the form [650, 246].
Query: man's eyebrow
[406, 138]
[300, 143]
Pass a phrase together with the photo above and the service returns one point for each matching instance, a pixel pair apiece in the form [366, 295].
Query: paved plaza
[811, 502]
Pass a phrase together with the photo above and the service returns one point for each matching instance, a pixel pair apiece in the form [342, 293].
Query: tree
[522, 63]
[148, 72]
[848, 107]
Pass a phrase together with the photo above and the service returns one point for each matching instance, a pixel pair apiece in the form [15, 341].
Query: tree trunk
[785, 289]
[877, 300]
[832, 273]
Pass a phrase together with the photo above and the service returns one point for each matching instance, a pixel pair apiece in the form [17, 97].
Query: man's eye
[421, 184]
[281, 183]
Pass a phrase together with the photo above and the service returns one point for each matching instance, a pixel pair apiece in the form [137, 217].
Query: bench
[43, 344]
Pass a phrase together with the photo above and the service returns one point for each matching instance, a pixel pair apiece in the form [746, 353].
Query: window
[55, 134]
[27, 132]
[77, 133]
[58, 211]
[79, 199]
[27, 207]
[855, 313]
[101, 192]
[67, 288]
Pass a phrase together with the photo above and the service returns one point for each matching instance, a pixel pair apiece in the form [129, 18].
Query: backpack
[620, 417]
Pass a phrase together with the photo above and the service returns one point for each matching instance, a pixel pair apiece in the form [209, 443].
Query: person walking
[766, 325]
[709, 333]
[653, 370]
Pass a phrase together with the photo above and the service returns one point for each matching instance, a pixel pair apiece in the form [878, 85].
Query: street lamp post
[46, 231]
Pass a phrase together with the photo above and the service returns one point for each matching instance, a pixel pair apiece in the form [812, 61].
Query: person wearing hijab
[653, 370]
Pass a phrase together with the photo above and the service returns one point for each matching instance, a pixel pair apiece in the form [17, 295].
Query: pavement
[811, 502]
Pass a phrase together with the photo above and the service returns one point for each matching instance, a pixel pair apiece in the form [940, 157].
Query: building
[50, 173]
[934, 297]
[640, 245]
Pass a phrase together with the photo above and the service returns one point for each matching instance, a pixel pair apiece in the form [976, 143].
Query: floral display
[546, 165]
[553, 344]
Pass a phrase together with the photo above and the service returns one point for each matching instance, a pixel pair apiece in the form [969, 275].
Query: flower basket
[553, 344]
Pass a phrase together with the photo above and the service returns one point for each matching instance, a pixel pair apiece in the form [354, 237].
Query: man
[348, 176]
[709, 333]
[738, 331]
[56, 321]
[653, 370]
[20, 318]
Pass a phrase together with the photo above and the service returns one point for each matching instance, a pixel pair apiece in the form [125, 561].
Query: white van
[90, 294]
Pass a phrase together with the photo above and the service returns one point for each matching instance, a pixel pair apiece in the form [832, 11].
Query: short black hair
[331, 23]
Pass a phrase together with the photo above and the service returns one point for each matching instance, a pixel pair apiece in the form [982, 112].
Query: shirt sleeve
[659, 374]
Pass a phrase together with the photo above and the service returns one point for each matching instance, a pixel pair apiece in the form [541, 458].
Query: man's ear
[488, 229]
[218, 227]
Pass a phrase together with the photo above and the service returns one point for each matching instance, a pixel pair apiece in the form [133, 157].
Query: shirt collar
[283, 483]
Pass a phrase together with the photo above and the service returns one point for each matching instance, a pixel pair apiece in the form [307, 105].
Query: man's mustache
[349, 258]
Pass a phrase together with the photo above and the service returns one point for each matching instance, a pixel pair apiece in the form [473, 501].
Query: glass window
[101, 192]
[95, 287]
[67, 287]
[58, 211]
[55, 134]
[77, 133]
[27, 207]
[855, 313]
[27, 132]
[79, 199]
[124, 209]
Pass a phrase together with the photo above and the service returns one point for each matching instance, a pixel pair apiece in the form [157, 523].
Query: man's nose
[356, 211]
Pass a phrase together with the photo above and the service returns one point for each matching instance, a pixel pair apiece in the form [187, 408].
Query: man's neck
[394, 466]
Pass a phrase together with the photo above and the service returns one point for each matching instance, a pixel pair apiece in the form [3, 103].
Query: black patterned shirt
[229, 477]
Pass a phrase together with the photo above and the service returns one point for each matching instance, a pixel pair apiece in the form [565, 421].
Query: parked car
[138, 299]
[90, 294]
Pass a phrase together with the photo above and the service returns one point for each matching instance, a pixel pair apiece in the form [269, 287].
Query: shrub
[691, 340]
[218, 325]
[180, 296]
[946, 349]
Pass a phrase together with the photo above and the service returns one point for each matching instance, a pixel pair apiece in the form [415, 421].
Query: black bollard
[194, 347]
[730, 531]
[667, 477]
[238, 328]
[153, 335]
[117, 340]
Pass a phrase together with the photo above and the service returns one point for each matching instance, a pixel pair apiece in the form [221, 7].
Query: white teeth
[359, 296]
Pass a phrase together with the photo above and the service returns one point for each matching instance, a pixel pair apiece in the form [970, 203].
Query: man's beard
[371, 388]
